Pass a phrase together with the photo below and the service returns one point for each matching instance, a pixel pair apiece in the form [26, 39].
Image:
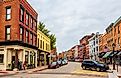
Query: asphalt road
[61, 72]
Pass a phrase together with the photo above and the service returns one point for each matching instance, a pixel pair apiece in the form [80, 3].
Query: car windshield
[97, 62]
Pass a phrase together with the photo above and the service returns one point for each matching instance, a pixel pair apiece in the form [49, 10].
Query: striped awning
[107, 54]
[119, 53]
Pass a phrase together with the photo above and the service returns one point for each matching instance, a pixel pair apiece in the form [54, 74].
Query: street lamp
[113, 45]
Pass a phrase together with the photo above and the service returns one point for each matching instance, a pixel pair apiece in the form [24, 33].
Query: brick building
[84, 50]
[18, 34]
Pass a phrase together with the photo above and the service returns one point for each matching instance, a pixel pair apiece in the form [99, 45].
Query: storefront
[12, 56]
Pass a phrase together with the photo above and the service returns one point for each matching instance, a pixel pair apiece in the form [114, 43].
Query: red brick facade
[15, 22]
[84, 50]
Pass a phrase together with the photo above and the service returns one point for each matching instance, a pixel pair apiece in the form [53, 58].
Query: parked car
[64, 61]
[59, 62]
[94, 65]
[53, 65]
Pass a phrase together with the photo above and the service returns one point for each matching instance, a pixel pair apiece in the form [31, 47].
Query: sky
[70, 20]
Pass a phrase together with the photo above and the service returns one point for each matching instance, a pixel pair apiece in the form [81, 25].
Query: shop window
[1, 58]
[31, 57]
[26, 56]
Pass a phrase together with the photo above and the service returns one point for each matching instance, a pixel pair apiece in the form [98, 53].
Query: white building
[94, 46]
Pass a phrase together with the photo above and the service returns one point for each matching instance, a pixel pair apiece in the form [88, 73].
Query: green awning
[112, 54]
[119, 53]
[106, 55]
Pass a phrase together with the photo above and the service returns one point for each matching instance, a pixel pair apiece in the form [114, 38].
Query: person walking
[24, 65]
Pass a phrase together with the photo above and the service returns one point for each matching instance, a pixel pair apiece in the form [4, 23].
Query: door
[13, 62]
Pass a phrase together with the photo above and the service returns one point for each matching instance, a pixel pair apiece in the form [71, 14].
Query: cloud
[70, 20]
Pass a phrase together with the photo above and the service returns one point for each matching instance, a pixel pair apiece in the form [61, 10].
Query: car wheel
[91, 69]
[98, 69]
[83, 67]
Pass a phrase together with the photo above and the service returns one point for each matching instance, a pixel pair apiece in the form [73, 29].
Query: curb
[30, 72]
[17, 72]
[8, 74]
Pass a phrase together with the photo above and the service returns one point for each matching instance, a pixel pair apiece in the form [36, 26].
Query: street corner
[90, 73]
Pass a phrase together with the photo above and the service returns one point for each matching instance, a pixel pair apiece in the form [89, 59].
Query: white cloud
[72, 19]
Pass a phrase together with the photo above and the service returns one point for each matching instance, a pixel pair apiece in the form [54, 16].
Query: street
[72, 70]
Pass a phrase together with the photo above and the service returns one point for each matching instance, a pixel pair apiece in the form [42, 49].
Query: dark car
[64, 61]
[53, 65]
[94, 65]
[59, 62]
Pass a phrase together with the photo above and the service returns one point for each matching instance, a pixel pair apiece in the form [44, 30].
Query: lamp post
[113, 45]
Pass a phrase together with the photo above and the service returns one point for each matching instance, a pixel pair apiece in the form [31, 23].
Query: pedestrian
[24, 65]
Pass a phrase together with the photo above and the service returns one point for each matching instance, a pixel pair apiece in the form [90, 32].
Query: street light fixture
[113, 45]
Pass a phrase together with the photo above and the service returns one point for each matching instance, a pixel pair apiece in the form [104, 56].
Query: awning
[101, 54]
[113, 53]
[119, 53]
[106, 55]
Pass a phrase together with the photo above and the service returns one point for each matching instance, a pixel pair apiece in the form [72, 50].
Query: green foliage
[52, 37]
[52, 41]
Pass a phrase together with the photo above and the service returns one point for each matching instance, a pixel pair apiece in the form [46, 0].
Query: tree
[42, 28]
[52, 37]
[52, 41]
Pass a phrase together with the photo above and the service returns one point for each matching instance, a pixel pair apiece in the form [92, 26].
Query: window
[31, 22]
[35, 40]
[35, 25]
[43, 44]
[115, 31]
[27, 19]
[8, 13]
[31, 38]
[118, 40]
[1, 58]
[46, 46]
[27, 36]
[97, 48]
[38, 42]
[7, 33]
[118, 29]
[26, 56]
[31, 57]
[21, 34]
[22, 14]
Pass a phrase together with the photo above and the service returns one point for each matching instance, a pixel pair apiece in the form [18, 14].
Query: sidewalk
[114, 73]
[8, 73]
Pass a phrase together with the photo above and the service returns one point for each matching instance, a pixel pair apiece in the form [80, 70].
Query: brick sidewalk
[115, 73]
[8, 73]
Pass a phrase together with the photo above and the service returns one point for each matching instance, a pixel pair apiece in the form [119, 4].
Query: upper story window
[21, 14]
[21, 33]
[46, 46]
[8, 13]
[27, 19]
[31, 38]
[118, 29]
[27, 36]
[41, 44]
[38, 43]
[7, 33]
[115, 31]
[35, 24]
[31, 22]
